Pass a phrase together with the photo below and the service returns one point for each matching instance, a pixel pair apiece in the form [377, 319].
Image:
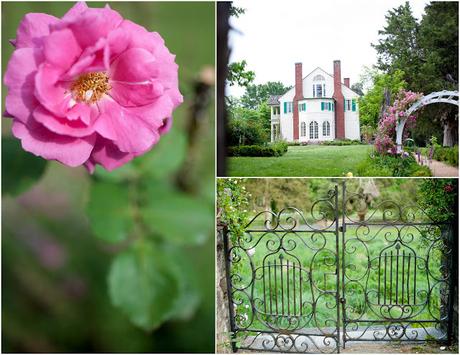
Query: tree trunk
[448, 137]
[223, 13]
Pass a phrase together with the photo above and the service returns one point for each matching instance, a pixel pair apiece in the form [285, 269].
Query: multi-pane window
[302, 107]
[326, 129]
[347, 105]
[313, 130]
[319, 90]
[276, 110]
[327, 106]
[303, 129]
[288, 107]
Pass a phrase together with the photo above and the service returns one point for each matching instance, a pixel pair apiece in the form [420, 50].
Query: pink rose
[90, 88]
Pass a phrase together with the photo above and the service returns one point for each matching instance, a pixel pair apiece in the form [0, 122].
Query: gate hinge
[342, 300]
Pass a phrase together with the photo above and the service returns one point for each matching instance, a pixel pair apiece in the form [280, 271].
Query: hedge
[273, 150]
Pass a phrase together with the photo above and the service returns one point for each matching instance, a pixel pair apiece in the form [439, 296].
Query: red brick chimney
[339, 104]
[346, 82]
[298, 96]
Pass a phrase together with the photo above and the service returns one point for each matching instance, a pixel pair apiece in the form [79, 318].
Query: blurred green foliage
[120, 261]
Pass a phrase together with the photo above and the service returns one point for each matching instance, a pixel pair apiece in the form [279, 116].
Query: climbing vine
[386, 131]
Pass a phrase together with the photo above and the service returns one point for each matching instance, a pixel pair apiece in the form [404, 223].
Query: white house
[318, 108]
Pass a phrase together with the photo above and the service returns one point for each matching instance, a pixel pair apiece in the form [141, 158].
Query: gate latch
[342, 229]
[342, 300]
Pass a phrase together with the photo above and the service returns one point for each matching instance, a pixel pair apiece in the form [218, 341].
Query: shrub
[246, 132]
[341, 142]
[388, 165]
[447, 154]
[273, 150]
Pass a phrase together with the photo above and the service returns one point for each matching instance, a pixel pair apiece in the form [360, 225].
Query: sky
[273, 35]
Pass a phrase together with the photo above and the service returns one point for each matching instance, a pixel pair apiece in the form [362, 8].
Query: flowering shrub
[89, 88]
[386, 131]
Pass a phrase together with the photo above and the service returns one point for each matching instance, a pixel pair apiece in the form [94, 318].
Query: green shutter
[285, 107]
[322, 106]
[353, 105]
[328, 106]
[344, 105]
[333, 107]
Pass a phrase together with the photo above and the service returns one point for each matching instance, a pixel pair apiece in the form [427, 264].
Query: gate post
[225, 326]
[452, 320]
[337, 263]
[343, 228]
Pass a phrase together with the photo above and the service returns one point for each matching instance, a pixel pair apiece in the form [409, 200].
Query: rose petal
[33, 28]
[128, 131]
[38, 140]
[61, 48]
[108, 155]
[20, 80]
[59, 125]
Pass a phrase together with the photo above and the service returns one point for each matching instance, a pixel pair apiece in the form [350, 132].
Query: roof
[325, 72]
[273, 100]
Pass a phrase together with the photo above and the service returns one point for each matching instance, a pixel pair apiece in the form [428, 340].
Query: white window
[326, 129]
[318, 77]
[303, 129]
[348, 105]
[319, 90]
[314, 130]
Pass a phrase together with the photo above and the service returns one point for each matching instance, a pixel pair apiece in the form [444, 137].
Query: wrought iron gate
[313, 282]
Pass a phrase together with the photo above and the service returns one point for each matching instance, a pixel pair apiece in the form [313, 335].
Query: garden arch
[448, 97]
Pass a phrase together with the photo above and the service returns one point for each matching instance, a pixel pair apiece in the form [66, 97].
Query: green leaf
[109, 211]
[20, 169]
[144, 284]
[189, 293]
[166, 157]
[176, 216]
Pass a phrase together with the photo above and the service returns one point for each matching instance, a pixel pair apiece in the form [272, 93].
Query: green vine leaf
[20, 169]
[177, 217]
[144, 285]
[109, 211]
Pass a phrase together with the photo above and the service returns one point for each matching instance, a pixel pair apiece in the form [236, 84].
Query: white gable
[313, 78]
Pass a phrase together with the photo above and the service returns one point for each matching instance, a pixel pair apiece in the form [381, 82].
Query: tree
[255, 95]
[397, 49]
[427, 52]
[371, 103]
[358, 88]
[239, 75]
[438, 40]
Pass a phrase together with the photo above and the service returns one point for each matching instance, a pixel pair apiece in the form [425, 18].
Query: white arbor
[448, 97]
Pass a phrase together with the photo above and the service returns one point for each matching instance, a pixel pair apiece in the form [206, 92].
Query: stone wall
[222, 312]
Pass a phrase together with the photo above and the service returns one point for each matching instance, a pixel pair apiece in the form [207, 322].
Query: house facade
[318, 108]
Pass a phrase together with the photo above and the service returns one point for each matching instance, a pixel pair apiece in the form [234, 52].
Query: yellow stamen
[90, 87]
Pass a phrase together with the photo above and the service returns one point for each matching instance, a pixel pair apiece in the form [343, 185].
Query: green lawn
[312, 160]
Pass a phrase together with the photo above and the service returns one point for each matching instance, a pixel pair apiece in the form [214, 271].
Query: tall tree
[397, 48]
[255, 95]
[427, 52]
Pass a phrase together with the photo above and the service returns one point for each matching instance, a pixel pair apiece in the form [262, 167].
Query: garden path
[439, 169]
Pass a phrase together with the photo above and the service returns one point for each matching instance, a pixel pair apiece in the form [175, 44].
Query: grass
[312, 160]
[316, 256]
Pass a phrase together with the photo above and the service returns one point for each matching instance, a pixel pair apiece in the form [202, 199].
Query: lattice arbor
[448, 97]
[310, 282]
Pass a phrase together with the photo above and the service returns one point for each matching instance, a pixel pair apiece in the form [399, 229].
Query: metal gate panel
[309, 283]
[283, 280]
[396, 266]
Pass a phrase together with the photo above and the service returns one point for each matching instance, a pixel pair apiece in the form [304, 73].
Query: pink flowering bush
[90, 88]
[386, 131]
